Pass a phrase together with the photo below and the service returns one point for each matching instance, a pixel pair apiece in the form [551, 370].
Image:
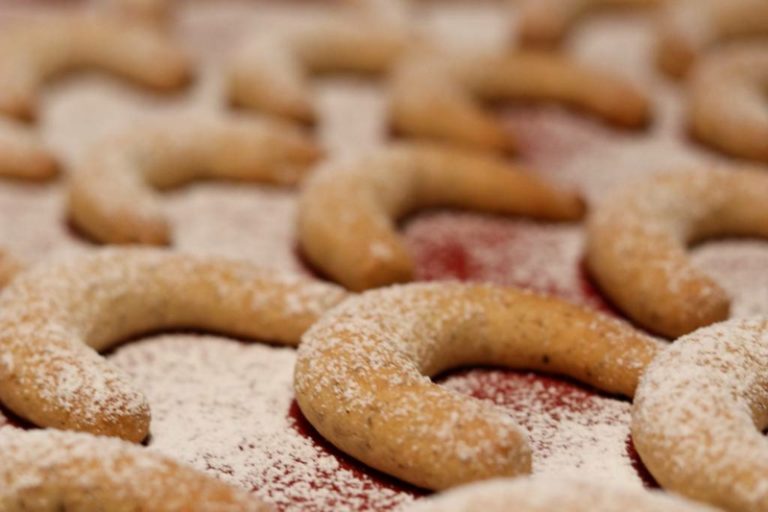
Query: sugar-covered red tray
[226, 406]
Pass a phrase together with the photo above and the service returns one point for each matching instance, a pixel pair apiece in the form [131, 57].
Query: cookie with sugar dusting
[348, 207]
[437, 95]
[23, 155]
[688, 28]
[47, 470]
[637, 238]
[547, 23]
[700, 412]
[362, 374]
[270, 71]
[727, 105]
[540, 494]
[55, 317]
[111, 193]
[33, 51]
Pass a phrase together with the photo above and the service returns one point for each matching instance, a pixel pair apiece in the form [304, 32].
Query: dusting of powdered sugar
[700, 412]
[224, 407]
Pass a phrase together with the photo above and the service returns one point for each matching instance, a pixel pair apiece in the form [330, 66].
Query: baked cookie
[111, 196]
[547, 23]
[637, 238]
[700, 412]
[33, 51]
[347, 209]
[437, 95]
[270, 72]
[688, 28]
[362, 374]
[539, 494]
[55, 317]
[47, 470]
[23, 155]
[727, 105]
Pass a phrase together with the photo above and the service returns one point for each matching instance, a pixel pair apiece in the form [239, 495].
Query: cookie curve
[361, 375]
[712, 416]
[347, 208]
[547, 23]
[636, 243]
[270, 72]
[48, 469]
[726, 100]
[23, 154]
[54, 317]
[687, 29]
[436, 94]
[111, 195]
[33, 51]
[553, 494]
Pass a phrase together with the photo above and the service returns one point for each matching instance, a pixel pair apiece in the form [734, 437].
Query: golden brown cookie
[637, 238]
[348, 208]
[49, 470]
[111, 196]
[541, 494]
[270, 72]
[727, 104]
[362, 374]
[688, 28]
[436, 95]
[23, 155]
[55, 317]
[547, 23]
[700, 413]
[33, 51]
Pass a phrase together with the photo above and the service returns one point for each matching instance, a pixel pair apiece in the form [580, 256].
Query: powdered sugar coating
[541, 494]
[54, 470]
[228, 408]
[699, 412]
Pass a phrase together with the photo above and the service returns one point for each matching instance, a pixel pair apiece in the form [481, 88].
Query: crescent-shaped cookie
[55, 317]
[111, 196]
[31, 52]
[437, 96]
[47, 470]
[700, 412]
[637, 238]
[547, 23]
[23, 155]
[362, 374]
[540, 494]
[727, 104]
[688, 28]
[270, 72]
[348, 207]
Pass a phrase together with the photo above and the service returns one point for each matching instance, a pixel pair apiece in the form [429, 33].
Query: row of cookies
[433, 93]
